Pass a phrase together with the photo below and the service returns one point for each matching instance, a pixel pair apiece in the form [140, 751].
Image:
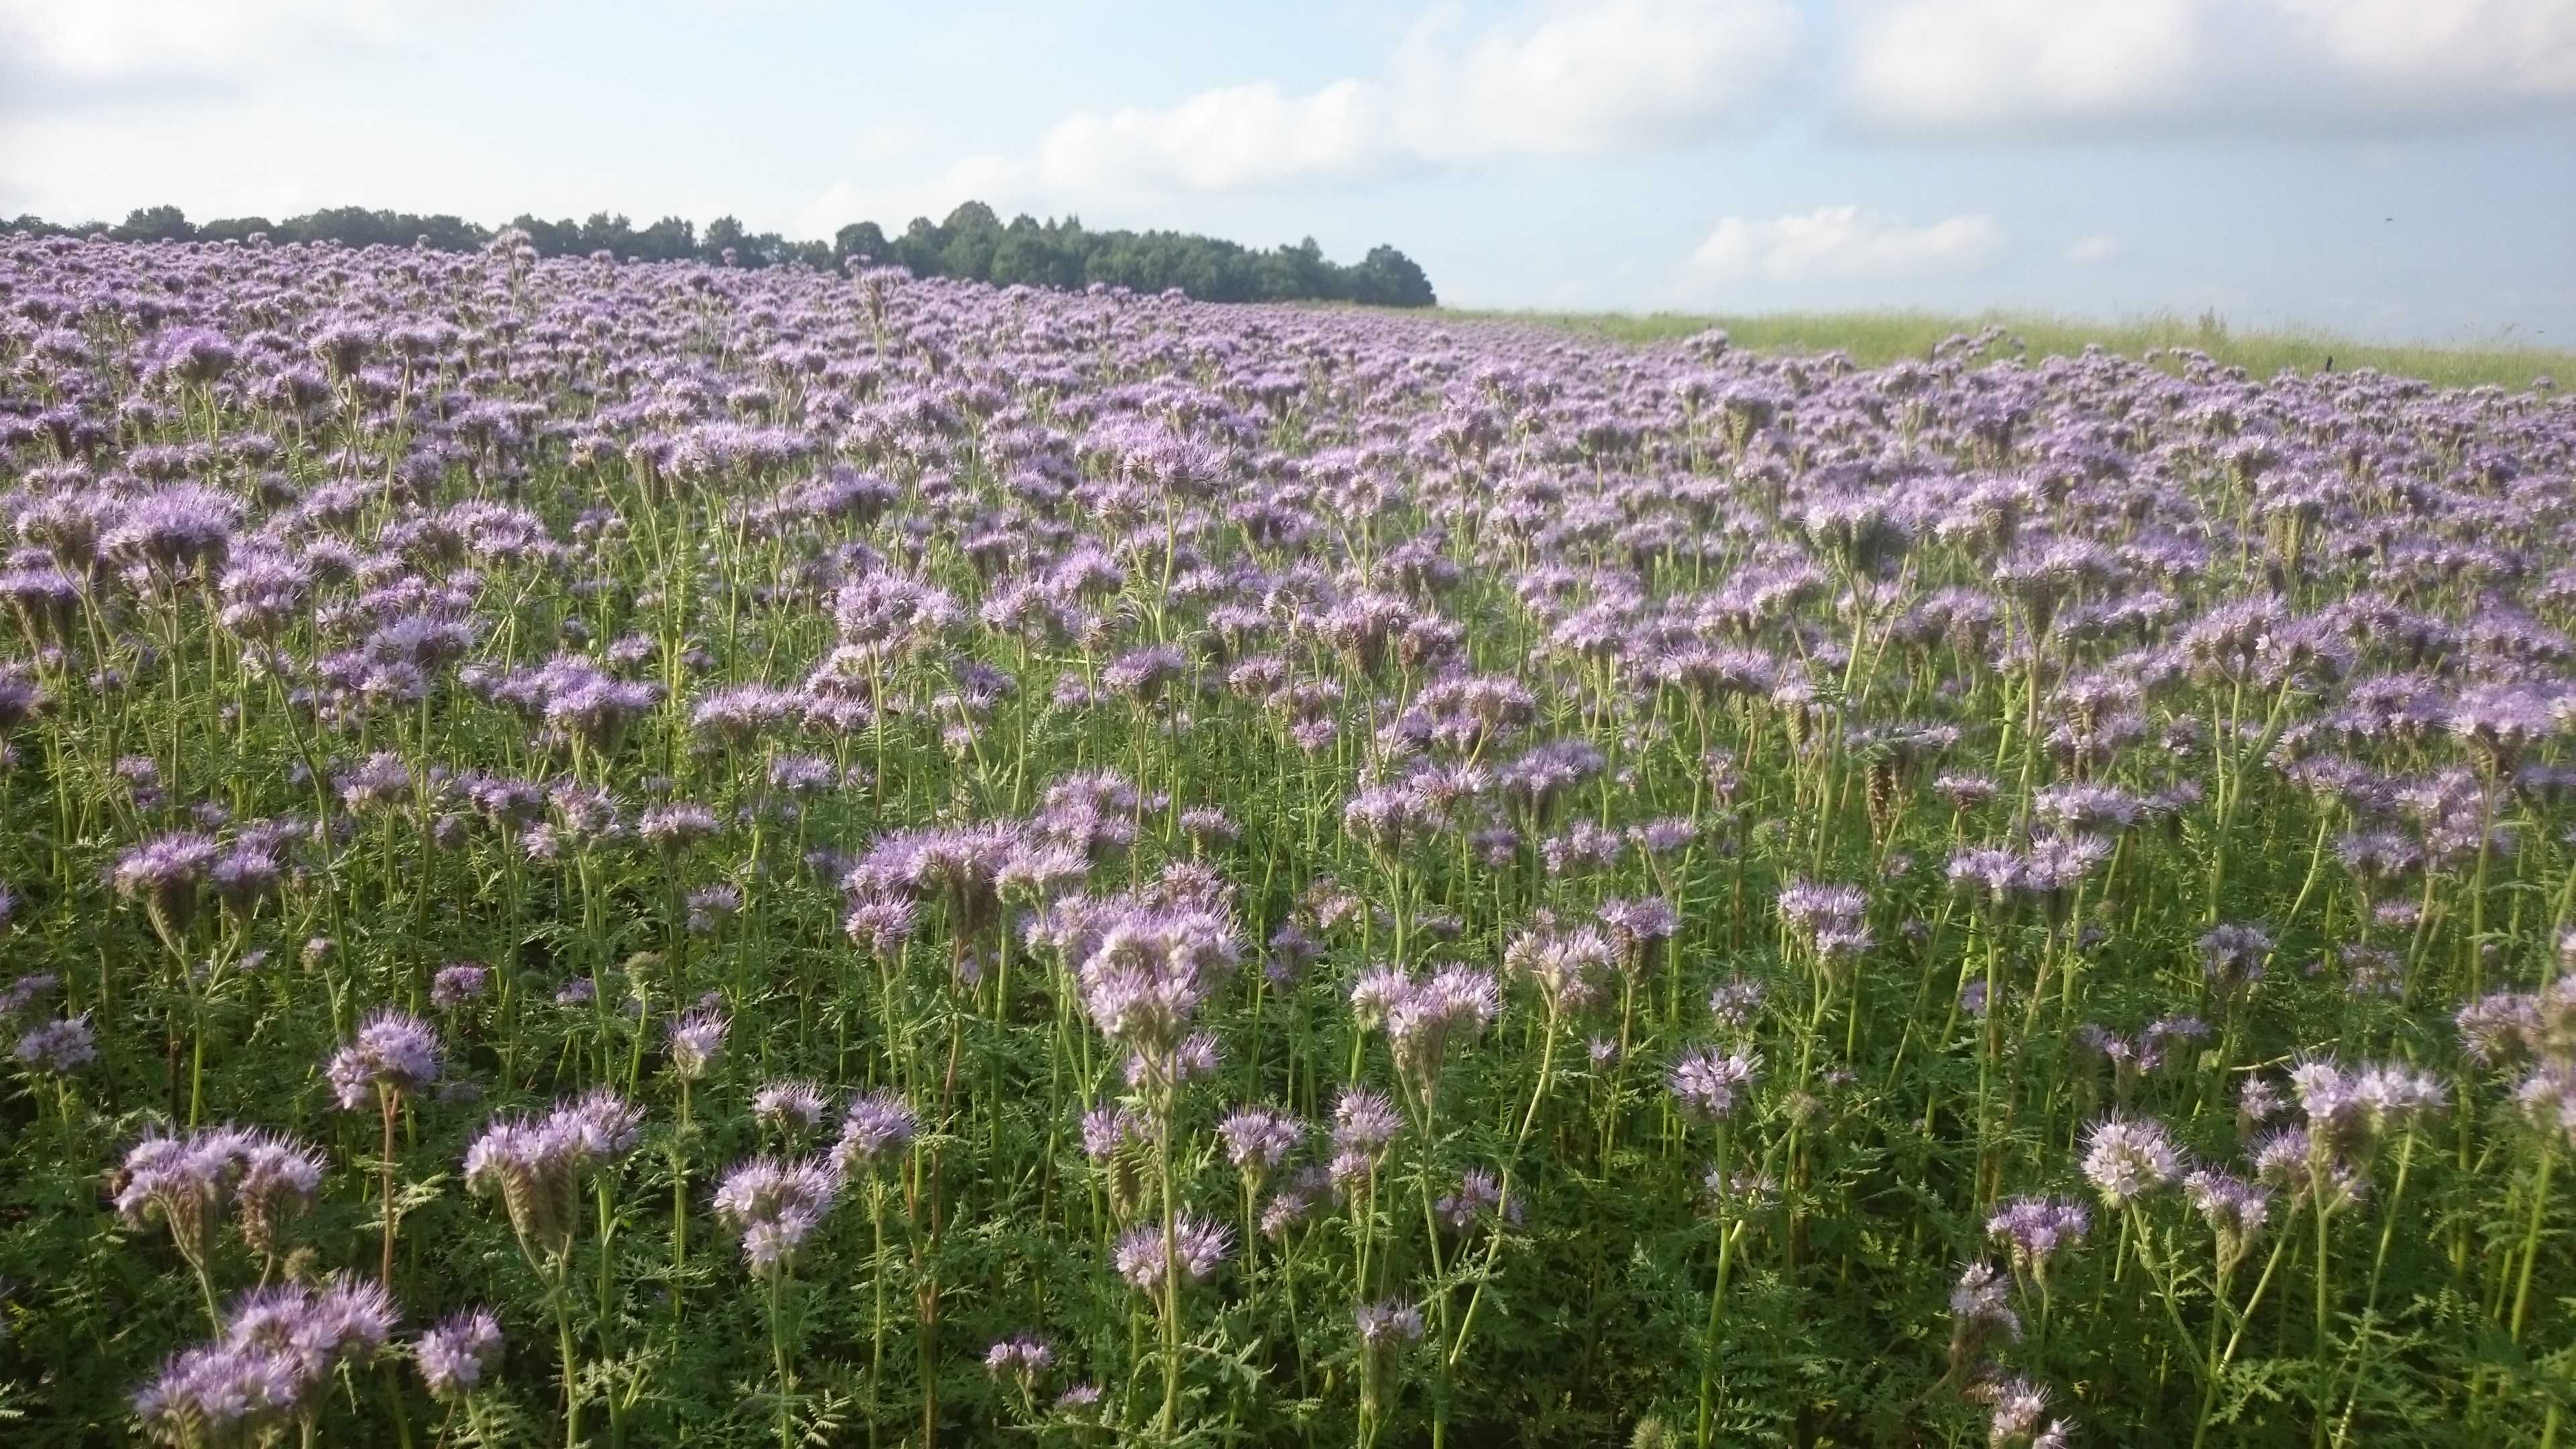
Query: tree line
[972, 243]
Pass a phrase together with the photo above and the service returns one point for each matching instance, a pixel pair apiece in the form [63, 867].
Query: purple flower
[2500, 1028]
[789, 1106]
[1200, 1246]
[183, 1183]
[1479, 1195]
[23, 993]
[776, 1205]
[394, 1053]
[536, 1164]
[2019, 1406]
[1710, 1086]
[1107, 1128]
[1734, 1002]
[1365, 1122]
[2036, 1229]
[1421, 1018]
[382, 782]
[1388, 1326]
[218, 1395]
[2236, 1211]
[1022, 1356]
[459, 983]
[1258, 1139]
[279, 1178]
[708, 905]
[878, 1124]
[2127, 1159]
[2232, 957]
[58, 1048]
[1144, 970]
[676, 826]
[1980, 1310]
[1569, 968]
[696, 1039]
[167, 872]
[1079, 1399]
[455, 1355]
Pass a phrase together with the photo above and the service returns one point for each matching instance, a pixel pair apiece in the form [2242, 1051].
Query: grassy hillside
[1877, 337]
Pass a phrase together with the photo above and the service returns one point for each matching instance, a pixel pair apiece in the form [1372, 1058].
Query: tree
[1389, 278]
[155, 223]
[859, 239]
[723, 233]
[669, 240]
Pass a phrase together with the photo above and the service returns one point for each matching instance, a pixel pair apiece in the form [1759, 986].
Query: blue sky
[2399, 168]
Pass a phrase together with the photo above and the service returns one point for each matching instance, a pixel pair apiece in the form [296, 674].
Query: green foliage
[974, 244]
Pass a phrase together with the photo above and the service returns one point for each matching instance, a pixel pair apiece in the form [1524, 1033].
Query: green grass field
[1878, 337]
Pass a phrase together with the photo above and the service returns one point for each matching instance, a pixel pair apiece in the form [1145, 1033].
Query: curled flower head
[2236, 1211]
[167, 873]
[279, 1180]
[316, 1328]
[536, 1164]
[1569, 968]
[2019, 1409]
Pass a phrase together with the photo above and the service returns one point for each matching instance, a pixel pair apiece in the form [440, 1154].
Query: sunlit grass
[1873, 338]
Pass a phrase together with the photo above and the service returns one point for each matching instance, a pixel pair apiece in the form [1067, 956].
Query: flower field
[649, 854]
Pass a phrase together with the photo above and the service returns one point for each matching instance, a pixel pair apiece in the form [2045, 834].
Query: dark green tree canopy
[973, 244]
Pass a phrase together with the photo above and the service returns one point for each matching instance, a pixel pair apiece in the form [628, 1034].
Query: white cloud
[1222, 140]
[2515, 47]
[994, 180]
[1578, 78]
[1561, 79]
[1842, 243]
[1973, 64]
[2044, 68]
[104, 40]
[2100, 247]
